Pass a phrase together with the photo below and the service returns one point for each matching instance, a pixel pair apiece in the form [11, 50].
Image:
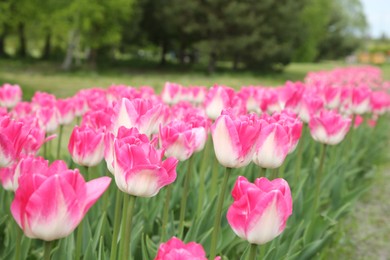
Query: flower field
[191, 172]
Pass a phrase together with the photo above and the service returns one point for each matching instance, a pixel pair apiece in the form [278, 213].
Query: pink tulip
[310, 105]
[98, 119]
[217, 99]
[235, 139]
[51, 202]
[26, 165]
[48, 118]
[171, 93]
[13, 137]
[329, 127]
[272, 146]
[80, 104]
[138, 166]
[175, 249]
[380, 102]
[65, 108]
[198, 94]
[260, 211]
[10, 95]
[86, 146]
[181, 140]
[332, 96]
[293, 126]
[22, 109]
[7, 178]
[146, 115]
[361, 100]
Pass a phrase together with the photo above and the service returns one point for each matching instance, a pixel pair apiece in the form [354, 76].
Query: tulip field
[191, 172]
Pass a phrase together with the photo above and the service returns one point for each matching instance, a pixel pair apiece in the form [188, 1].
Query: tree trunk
[22, 41]
[47, 47]
[164, 49]
[212, 62]
[73, 40]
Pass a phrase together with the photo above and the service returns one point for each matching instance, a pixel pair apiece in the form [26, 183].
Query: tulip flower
[310, 105]
[217, 99]
[26, 165]
[174, 248]
[138, 166]
[361, 100]
[171, 93]
[272, 146]
[181, 140]
[13, 140]
[235, 139]
[329, 127]
[66, 111]
[86, 146]
[145, 114]
[260, 210]
[10, 95]
[49, 204]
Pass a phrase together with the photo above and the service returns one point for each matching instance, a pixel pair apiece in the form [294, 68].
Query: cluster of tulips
[145, 142]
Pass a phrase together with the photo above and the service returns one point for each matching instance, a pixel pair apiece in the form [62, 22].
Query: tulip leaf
[98, 231]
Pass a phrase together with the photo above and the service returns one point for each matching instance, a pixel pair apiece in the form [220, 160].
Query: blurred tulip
[86, 146]
[235, 139]
[217, 99]
[138, 166]
[13, 138]
[310, 105]
[26, 165]
[329, 127]
[260, 211]
[50, 203]
[175, 249]
[171, 93]
[145, 114]
[181, 140]
[10, 95]
[272, 146]
[66, 110]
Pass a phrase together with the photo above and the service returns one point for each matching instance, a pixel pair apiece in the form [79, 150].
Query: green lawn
[48, 77]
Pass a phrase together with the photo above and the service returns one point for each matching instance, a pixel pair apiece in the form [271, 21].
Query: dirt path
[366, 233]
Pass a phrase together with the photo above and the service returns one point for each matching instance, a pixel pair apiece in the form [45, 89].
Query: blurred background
[197, 34]
[85, 43]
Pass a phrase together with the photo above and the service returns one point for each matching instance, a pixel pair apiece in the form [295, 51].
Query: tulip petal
[94, 189]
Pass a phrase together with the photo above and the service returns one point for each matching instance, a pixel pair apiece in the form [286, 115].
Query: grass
[43, 76]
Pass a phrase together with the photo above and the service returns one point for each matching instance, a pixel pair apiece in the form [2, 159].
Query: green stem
[319, 176]
[275, 173]
[300, 154]
[79, 240]
[126, 232]
[59, 142]
[125, 206]
[183, 203]
[252, 252]
[261, 172]
[201, 192]
[166, 212]
[117, 221]
[48, 246]
[202, 175]
[218, 216]
[19, 235]
[214, 178]
[45, 148]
